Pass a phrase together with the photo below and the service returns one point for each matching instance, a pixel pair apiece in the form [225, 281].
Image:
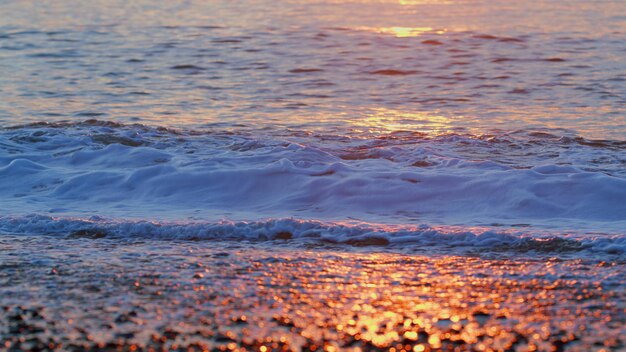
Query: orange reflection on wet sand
[450, 303]
[202, 296]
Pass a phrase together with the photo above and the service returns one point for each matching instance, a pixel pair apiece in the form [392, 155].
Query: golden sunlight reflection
[403, 32]
[421, 2]
[396, 303]
[222, 297]
[385, 121]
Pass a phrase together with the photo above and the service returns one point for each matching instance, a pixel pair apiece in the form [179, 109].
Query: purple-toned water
[414, 124]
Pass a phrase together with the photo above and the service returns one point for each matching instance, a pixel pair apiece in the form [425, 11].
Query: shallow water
[378, 122]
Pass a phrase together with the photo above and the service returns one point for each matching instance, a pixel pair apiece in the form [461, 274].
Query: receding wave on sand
[303, 233]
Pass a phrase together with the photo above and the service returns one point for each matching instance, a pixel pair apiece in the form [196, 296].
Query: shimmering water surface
[481, 115]
[439, 66]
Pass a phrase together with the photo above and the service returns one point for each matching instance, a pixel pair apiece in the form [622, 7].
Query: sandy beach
[108, 294]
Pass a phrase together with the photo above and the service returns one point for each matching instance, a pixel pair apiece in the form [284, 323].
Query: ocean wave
[452, 240]
[111, 169]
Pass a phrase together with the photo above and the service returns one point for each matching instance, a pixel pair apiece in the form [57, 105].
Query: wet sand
[105, 294]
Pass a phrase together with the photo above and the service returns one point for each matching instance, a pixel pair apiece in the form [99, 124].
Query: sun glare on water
[383, 121]
[403, 32]
[420, 2]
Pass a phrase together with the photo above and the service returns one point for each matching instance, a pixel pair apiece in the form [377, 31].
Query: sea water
[445, 125]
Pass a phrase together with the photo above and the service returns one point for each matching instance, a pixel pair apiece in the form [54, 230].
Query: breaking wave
[417, 238]
[214, 183]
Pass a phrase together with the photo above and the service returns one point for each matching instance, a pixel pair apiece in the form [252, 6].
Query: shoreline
[101, 294]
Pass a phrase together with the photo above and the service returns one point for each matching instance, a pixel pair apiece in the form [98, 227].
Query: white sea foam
[422, 237]
[143, 173]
